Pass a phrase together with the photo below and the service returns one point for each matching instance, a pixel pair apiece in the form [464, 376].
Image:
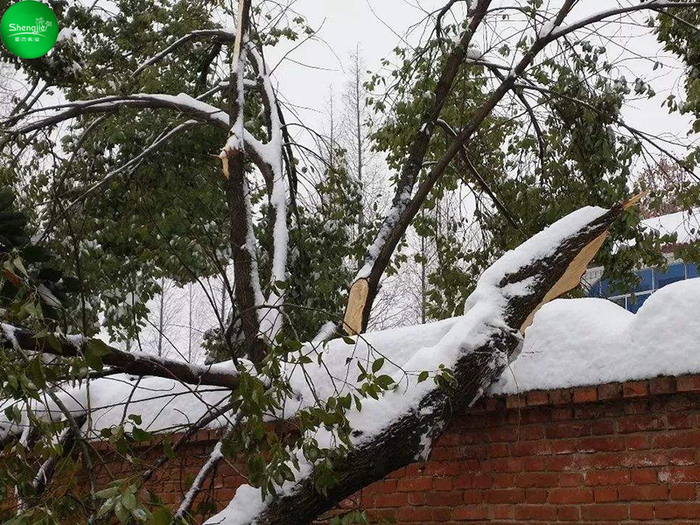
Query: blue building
[686, 227]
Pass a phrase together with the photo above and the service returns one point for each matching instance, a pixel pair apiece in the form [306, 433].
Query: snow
[545, 29]
[541, 245]
[163, 404]
[578, 342]
[65, 34]
[686, 224]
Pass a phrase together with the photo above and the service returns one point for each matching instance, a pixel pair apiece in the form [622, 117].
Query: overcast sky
[378, 26]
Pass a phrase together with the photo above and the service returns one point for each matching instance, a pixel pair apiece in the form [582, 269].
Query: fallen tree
[397, 429]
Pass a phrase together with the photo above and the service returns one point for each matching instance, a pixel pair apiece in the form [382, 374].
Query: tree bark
[403, 441]
[135, 363]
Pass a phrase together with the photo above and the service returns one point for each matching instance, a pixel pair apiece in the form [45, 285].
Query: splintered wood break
[577, 267]
[634, 199]
[572, 276]
[352, 322]
[224, 162]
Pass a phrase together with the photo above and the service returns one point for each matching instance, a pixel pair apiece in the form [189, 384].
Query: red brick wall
[616, 453]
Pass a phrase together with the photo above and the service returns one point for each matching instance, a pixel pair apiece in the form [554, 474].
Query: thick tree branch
[506, 298]
[134, 363]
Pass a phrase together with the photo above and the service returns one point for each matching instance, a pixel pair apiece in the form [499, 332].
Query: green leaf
[377, 365]
[129, 501]
[423, 376]
[107, 493]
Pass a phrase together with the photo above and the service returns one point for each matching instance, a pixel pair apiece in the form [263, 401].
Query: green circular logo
[29, 29]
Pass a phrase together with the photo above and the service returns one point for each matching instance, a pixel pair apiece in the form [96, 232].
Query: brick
[585, 395]
[568, 430]
[604, 512]
[562, 414]
[677, 421]
[530, 448]
[605, 494]
[677, 510]
[536, 479]
[505, 496]
[602, 427]
[413, 514]
[503, 512]
[414, 484]
[610, 392]
[443, 499]
[642, 512]
[643, 493]
[601, 444]
[637, 442]
[442, 468]
[471, 513]
[688, 383]
[640, 423]
[472, 481]
[534, 464]
[690, 474]
[570, 479]
[635, 389]
[417, 498]
[537, 397]
[441, 515]
[607, 477]
[535, 512]
[564, 446]
[683, 457]
[391, 500]
[568, 513]
[644, 458]
[502, 434]
[577, 495]
[442, 484]
[560, 397]
[662, 385]
[683, 439]
[473, 496]
[498, 450]
[516, 401]
[644, 476]
[531, 432]
[682, 492]
[500, 481]
[535, 495]
[504, 465]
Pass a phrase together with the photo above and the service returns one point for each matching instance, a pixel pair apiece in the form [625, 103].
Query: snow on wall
[577, 342]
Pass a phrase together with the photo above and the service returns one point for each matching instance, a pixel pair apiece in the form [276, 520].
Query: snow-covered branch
[134, 363]
[398, 428]
[221, 35]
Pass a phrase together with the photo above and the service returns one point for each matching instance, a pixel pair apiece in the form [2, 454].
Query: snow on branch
[469, 352]
[134, 363]
[182, 103]
[273, 155]
[221, 35]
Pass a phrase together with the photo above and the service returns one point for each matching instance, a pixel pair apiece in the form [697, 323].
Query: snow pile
[163, 404]
[577, 342]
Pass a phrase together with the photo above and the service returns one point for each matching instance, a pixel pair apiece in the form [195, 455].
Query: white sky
[377, 26]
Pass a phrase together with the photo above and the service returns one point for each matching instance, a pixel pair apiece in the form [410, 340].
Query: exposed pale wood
[571, 278]
[352, 322]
